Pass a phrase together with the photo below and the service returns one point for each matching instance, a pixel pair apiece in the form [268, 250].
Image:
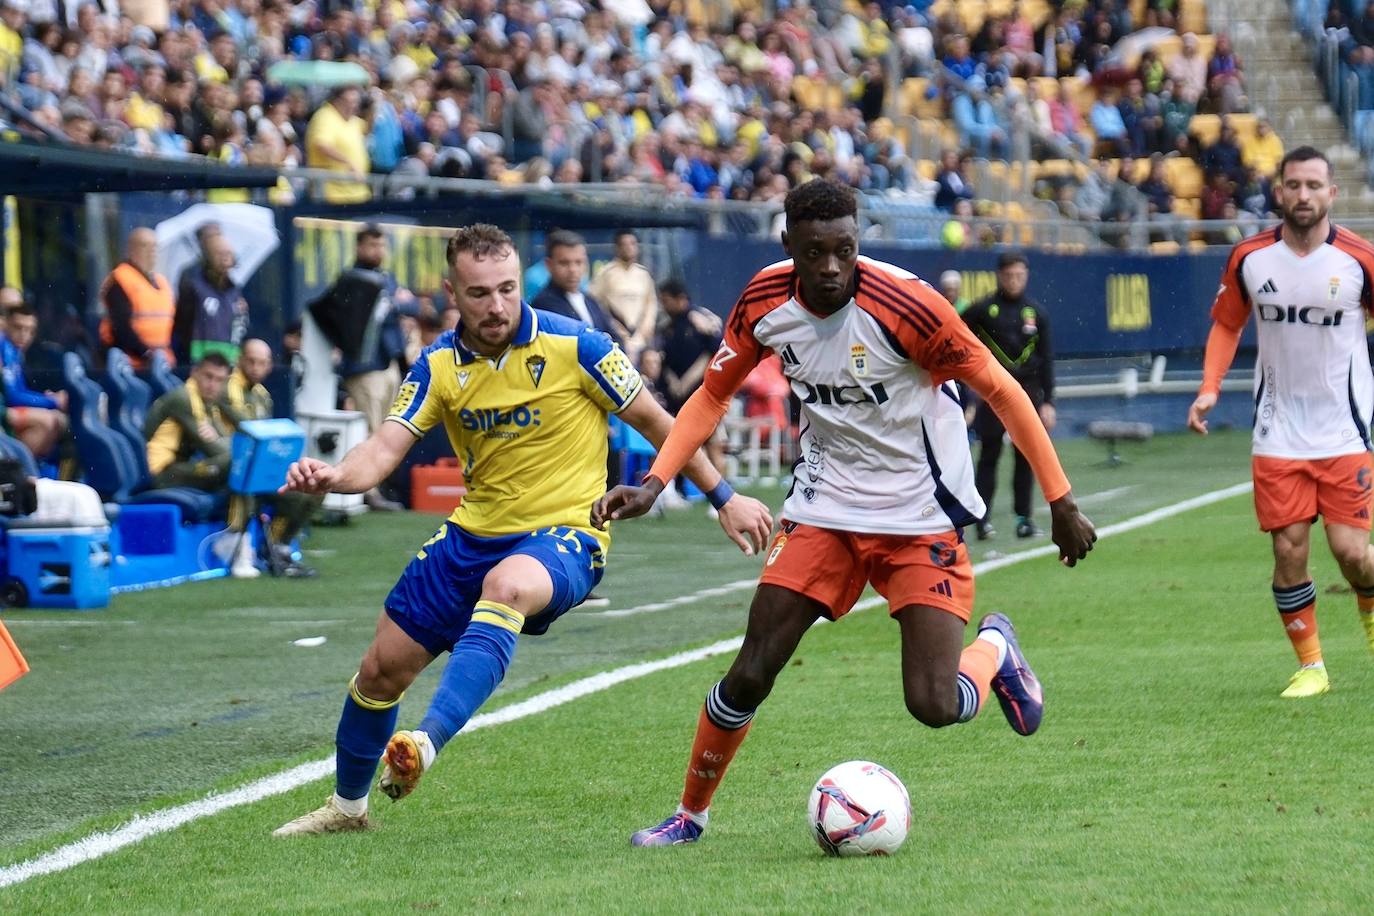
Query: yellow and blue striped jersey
[528, 426]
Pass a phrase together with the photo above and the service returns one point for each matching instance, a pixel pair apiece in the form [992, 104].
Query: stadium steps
[1281, 82]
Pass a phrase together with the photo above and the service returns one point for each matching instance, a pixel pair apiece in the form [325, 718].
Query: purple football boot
[1016, 686]
[675, 831]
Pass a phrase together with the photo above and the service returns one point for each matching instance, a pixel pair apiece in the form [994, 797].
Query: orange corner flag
[12, 664]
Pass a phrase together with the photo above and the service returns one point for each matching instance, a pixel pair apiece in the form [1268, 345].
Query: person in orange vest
[140, 305]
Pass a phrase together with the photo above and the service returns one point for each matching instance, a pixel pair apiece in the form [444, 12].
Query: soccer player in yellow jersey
[523, 395]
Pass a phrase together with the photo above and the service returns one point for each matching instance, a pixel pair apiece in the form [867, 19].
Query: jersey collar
[524, 335]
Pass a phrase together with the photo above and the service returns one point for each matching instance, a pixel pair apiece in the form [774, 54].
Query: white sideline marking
[143, 826]
[1105, 495]
[713, 592]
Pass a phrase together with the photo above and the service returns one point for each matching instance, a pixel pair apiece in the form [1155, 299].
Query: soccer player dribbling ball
[883, 490]
[1307, 282]
[523, 395]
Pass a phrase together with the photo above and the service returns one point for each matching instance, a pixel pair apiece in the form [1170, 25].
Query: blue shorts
[432, 602]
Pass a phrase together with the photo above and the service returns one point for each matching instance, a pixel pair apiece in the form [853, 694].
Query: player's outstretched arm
[745, 520]
[1222, 343]
[365, 466]
[1071, 531]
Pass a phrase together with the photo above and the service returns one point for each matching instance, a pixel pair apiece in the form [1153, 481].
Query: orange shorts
[833, 567]
[1291, 490]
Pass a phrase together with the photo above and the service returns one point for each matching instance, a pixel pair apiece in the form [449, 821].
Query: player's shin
[364, 728]
[475, 668]
[978, 663]
[721, 729]
[1297, 605]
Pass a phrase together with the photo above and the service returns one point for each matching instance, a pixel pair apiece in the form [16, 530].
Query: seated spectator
[976, 121]
[1216, 195]
[1067, 122]
[138, 303]
[1110, 129]
[188, 431]
[1255, 195]
[1263, 150]
[959, 60]
[1177, 114]
[1143, 118]
[1188, 70]
[247, 399]
[1224, 82]
[951, 287]
[39, 420]
[1159, 203]
[211, 313]
[1095, 193]
[1224, 157]
[953, 185]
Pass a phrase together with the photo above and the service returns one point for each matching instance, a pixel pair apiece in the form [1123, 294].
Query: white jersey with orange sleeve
[1313, 394]
[884, 447]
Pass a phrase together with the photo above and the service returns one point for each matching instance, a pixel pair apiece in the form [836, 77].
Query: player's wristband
[720, 494]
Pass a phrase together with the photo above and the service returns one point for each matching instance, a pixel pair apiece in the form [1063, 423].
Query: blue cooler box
[59, 567]
[262, 451]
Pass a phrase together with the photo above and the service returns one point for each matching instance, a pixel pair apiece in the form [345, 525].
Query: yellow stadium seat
[1206, 128]
[914, 101]
[1038, 12]
[1244, 124]
[1184, 176]
[1082, 93]
[997, 169]
[1197, 245]
[1188, 207]
[1192, 16]
[927, 169]
[1138, 12]
[1164, 247]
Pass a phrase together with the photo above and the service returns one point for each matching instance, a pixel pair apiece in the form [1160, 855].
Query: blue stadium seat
[129, 398]
[161, 378]
[11, 447]
[116, 468]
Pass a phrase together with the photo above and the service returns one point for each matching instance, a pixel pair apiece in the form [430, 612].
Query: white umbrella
[250, 229]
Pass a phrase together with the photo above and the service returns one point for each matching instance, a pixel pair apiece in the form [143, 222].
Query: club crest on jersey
[1333, 288]
[535, 365]
[858, 359]
[463, 377]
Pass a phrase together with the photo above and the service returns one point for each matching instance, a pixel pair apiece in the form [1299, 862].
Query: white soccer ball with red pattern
[859, 809]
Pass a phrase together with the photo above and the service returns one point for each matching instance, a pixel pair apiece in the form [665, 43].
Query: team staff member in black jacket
[1017, 331]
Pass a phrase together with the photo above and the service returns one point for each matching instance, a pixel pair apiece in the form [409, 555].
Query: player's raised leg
[519, 586]
[390, 664]
[778, 618]
[1295, 597]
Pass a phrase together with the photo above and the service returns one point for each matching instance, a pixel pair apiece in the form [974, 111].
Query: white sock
[353, 807]
[427, 751]
[1316, 665]
[997, 639]
[697, 817]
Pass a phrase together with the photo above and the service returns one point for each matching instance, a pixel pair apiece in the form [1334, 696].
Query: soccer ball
[859, 809]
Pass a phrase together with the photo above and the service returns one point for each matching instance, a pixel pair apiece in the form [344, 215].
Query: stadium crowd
[712, 100]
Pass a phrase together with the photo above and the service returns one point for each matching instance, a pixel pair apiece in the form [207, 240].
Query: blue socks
[365, 727]
[475, 668]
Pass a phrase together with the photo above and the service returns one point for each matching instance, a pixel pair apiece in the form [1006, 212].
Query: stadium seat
[1184, 176]
[1244, 124]
[1168, 246]
[161, 378]
[129, 397]
[1205, 128]
[11, 447]
[1192, 16]
[1187, 207]
[112, 466]
[914, 101]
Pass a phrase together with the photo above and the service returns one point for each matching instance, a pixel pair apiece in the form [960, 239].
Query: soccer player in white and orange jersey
[883, 489]
[1308, 283]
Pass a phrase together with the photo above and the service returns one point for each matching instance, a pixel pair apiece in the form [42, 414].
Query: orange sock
[1364, 598]
[712, 752]
[1297, 606]
[977, 665]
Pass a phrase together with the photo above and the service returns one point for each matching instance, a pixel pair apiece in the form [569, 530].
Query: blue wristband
[720, 494]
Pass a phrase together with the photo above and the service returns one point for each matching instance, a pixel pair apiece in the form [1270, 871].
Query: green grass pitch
[1168, 776]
